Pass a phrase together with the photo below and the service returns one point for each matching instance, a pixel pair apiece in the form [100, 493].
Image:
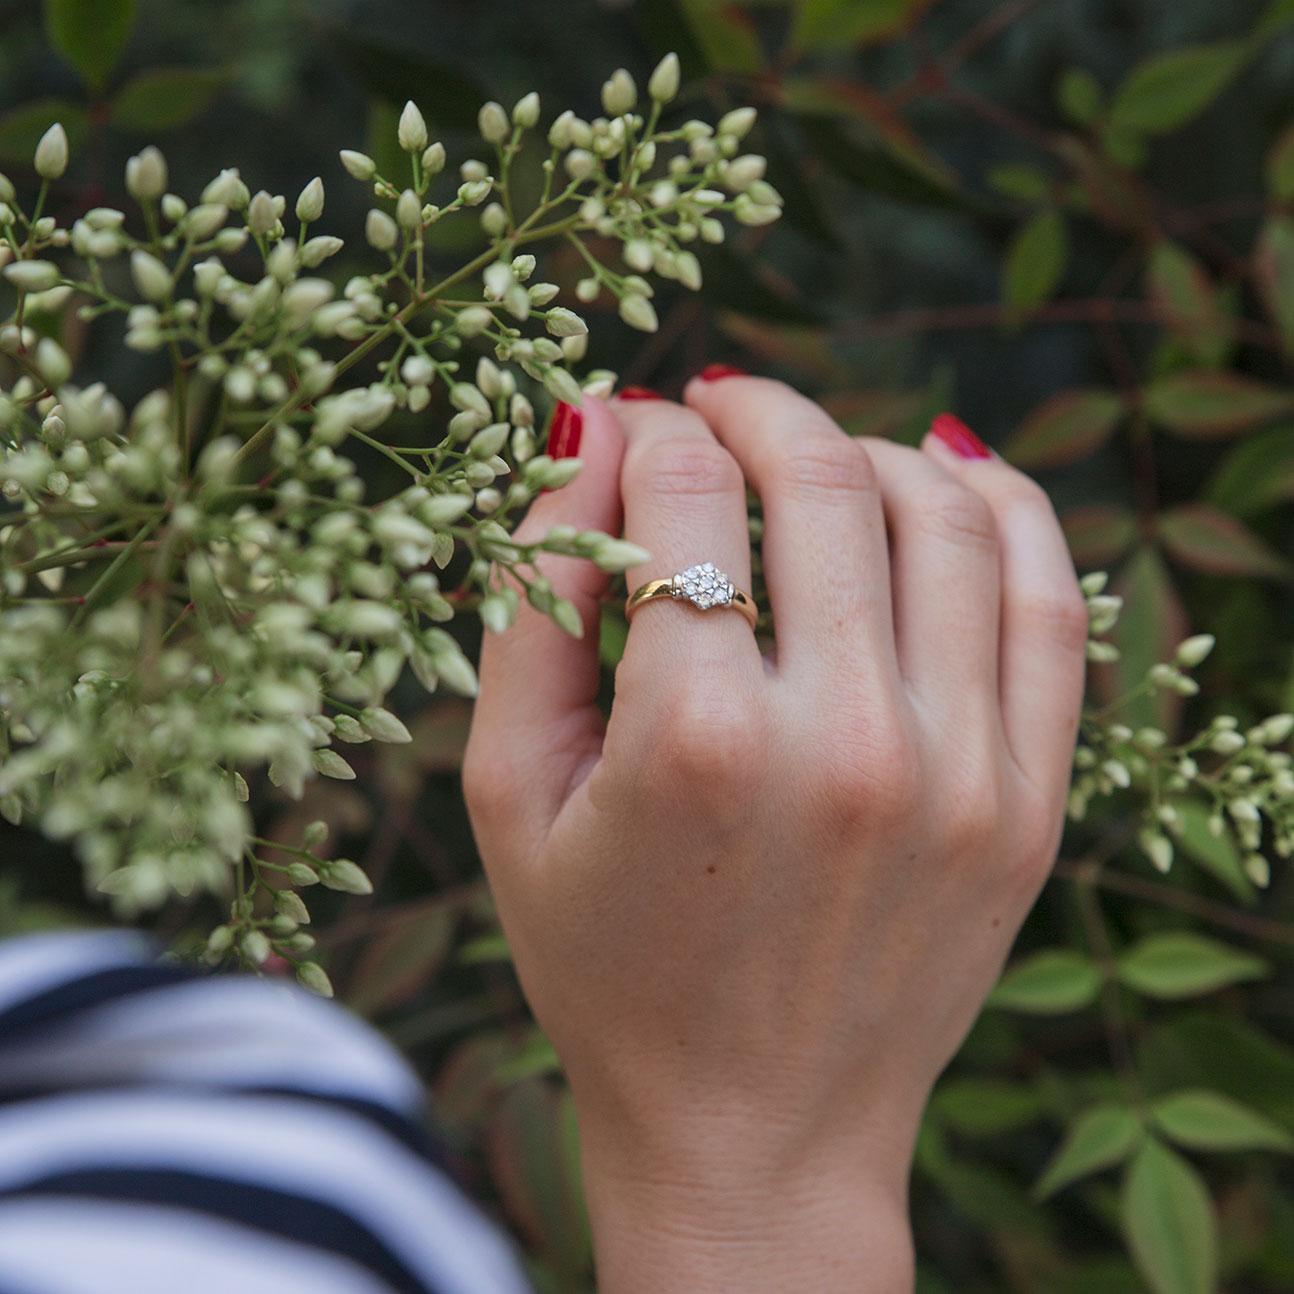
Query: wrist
[717, 1208]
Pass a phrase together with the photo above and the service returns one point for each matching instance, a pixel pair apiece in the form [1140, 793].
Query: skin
[757, 910]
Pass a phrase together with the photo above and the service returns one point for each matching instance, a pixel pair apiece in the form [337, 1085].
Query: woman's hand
[758, 913]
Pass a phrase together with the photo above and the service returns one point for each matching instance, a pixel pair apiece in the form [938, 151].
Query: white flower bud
[493, 123]
[358, 165]
[261, 217]
[382, 725]
[51, 153]
[565, 323]
[32, 276]
[474, 192]
[560, 384]
[52, 363]
[310, 201]
[417, 370]
[526, 112]
[380, 230]
[619, 94]
[146, 176]
[663, 85]
[473, 321]
[1193, 651]
[1276, 730]
[748, 212]
[1117, 773]
[737, 123]
[151, 277]
[204, 220]
[1258, 870]
[408, 210]
[614, 555]
[343, 874]
[742, 172]
[433, 159]
[412, 131]
[559, 133]
[1227, 743]
[1158, 848]
[228, 190]
[315, 251]
[580, 163]
[489, 440]
[443, 509]
[638, 312]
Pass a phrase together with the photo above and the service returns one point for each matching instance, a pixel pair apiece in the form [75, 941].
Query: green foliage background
[1070, 220]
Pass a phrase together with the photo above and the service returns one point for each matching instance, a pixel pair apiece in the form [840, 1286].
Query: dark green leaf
[1169, 1222]
[1256, 473]
[1026, 183]
[725, 35]
[1274, 268]
[1202, 405]
[446, 93]
[165, 97]
[840, 24]
[1035, 261]
[401, 958]
[1280, 165]
[1182, 964]
[1203, 1120]
[1098, 534]
[983, 1107]
[1065, 428]
[1152, 624]
[1100, 1137]
[90, 34]
[485, 948]
[1080, 96]
[1204, 538]
[1217, 855]
[1180, 289]
[21, 128]
[1166, 91]
[535, 1056]
[1048, 983]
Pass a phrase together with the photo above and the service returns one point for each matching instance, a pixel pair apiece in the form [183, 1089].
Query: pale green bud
[433, 159]
[227, 190]
[742, 172]
[526, 112]
[312, 976]
[310, 201]
[473, 321]
[1276, 730]
[748, 212]
[1227, 743]
[302, 874]
[146, 176]
[614, 555]
[664, 82]
[380, 230]
[261, 216]
[314, 251]
[493, 123]
[1117, 772]
[173, 208]
[561, 322]
[567, 618]
[32, 276]
[51, 153]
[52, 363]
[638, 312]
[359, 165]
[559, 133]
[1258, 870]
[737, 123]
[412, 131]
[330, 764]
[1158, 849]
[382, 725]
[494, 220]
[580, 164]
[443, 509]
[255, 946]
[560, 384]
[473, 192]
[151, 277]
[219, 941]
[204, 220]
[489, 440]
[408, 210]
[619, 94]
[1193, 651]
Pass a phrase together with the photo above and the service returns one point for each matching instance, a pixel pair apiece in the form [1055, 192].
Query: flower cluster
[199, 588]
[1239, 776]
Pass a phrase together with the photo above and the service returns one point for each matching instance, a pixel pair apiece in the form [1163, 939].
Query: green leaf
[1204, 538]
[1080, 96]
[448, 95]
[1180, 289]
[725, 35]
[1035, 261]
[1274, 269]
[1065, 428]
[402, 958]
[841, 24]
[1026, 183]
[1182, 964]
[1098, 534]
[165, 97]
[90, 34]
[485, 948]
[1048, 983]
[983, 1107]
[1256, 473]
[1202, 405]
[535, 1056]
[1168, 1219]
[1203, 1120]
[1152, 624]
[1100, 1137]
[1166, 91]
[1217, 855]
[1280, 165]
[22, 127]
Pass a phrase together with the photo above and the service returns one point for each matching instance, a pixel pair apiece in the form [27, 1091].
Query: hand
[757, 914]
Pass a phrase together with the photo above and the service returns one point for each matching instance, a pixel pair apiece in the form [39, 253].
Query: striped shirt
[167, 1130]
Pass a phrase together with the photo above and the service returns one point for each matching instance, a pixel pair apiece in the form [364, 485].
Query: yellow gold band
[657, 590]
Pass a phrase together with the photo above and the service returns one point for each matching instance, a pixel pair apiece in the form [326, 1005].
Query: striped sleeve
[162, 1130]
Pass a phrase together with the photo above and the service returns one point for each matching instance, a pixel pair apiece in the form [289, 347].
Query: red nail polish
[959, 437]
[638, 393]
[713, 372]
[564, 434]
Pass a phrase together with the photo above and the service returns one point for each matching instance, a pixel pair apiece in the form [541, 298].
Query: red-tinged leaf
[800, 349]
[1274, 271]
[533, 1155]
[842, 24]
[467, 1084]
[1179, 288]
[1257, 472]
[1203, 405]
[1065, 428]
[1206, 539]
[1035, 261]
[1117, 197]
[823, 96]
[1152, 624]
[725, 35]
[1099, 534]
[401, 957]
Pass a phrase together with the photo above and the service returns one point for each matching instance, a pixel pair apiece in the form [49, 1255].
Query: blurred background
[1070, 221]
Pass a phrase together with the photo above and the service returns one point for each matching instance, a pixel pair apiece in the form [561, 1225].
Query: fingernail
[959, 437]
[713, 372]
[638, 393]
[564, 434]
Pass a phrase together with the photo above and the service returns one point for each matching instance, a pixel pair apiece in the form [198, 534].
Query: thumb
[536, 721]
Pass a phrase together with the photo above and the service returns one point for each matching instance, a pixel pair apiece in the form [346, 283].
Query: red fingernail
[564, 434]
[959, 437]
[713, 372]
[638, 393]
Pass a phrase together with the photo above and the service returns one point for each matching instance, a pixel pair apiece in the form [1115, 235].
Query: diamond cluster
[704, 585]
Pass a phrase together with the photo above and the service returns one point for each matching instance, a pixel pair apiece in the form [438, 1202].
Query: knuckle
[485, 781]
[1059, 614]
[873, 776]
[957, 514]
[682, 465]
[710, 743]
[817, 466]
[976, 818]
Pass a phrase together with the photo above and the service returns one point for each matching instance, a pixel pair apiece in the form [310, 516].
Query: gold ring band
[703, 585]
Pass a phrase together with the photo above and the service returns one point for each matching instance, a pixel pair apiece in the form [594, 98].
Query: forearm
[726, 1226]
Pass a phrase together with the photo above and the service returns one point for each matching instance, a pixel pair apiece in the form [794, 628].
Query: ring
[704, 585]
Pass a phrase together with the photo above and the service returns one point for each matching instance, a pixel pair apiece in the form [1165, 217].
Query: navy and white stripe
[162, 1129]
